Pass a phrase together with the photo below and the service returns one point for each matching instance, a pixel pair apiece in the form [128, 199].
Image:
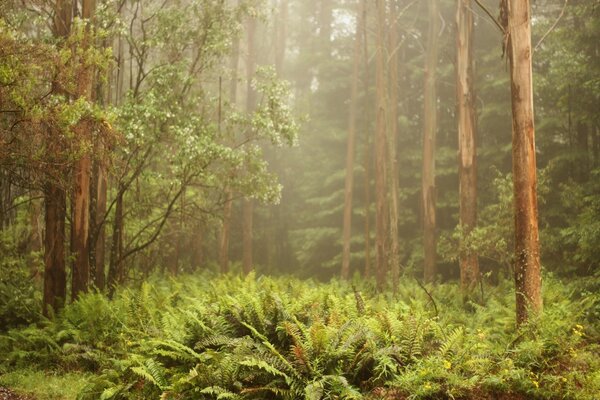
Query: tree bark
[429, 134]
[81, 188]
[116, 249]
[225, 229]
[351, 148]
[100, 228]
[381, 208]
[55, 202]
[394, 260]
[528, 278]
[248, 205]
[467, 143]
[248, 211]
[367, 154]
[55, 277]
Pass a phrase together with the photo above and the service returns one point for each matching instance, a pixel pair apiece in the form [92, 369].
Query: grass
[45, 385]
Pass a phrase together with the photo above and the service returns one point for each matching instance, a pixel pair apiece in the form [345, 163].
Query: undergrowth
[203, 337]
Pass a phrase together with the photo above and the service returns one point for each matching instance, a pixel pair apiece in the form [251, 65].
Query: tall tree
[516, 20]
[381, 209]
[226, 226]
[467, 150]
[55, 201]
[80, 206]
[394, 258]
[367, 144]
[429, 137]
[351, 146]
[248, 204]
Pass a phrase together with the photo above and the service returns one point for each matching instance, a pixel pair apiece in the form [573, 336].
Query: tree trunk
[393, 183]
[100, 228]
[55, 202]
[281, 36]
[429, 134]
[367, 154]
[248, 205]
[467, 146]
[528, 277]
[225, 229]
[55, 277]
[248, 211]
[380, 150]
[115, 266]
[81, 188]
[351, 148]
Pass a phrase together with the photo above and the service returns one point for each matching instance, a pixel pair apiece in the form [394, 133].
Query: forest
[299, 199]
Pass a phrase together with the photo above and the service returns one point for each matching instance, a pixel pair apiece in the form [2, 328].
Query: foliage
[248, 337]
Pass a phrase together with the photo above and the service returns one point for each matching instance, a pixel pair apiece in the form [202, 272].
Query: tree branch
[562, 12]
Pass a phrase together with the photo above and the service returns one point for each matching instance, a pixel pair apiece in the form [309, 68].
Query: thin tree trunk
[81, 188]
[248, 211]
[115, 265]
[528, 277]
[429, 134]
[380, 150]
[351, 148]
[367, 154]
[281, 32]
[225, 229]
[393, 183]
[467, 143]
[100, 228]
[248, 205]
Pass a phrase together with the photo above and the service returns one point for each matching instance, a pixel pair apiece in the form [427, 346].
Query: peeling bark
[528, 277]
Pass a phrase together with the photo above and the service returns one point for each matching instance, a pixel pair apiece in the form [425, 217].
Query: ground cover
[205, 337]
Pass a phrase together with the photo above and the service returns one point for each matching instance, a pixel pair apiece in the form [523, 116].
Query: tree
[381, 207]
[248, 206]
[80, 204]
[394, 260]
[429, 137]
[351, 147]
[516, 21]
[55, 199]
[467, 151]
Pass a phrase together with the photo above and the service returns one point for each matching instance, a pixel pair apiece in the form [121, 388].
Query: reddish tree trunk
[528, 277]
[81, 189]
[225, 229]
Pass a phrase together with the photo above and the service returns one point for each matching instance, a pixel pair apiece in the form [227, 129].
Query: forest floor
[7, 394]
[248, 338]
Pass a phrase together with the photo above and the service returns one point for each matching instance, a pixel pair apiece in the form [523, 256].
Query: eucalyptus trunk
[429, 138]
[527, 269]
[467, 143]
[80, 205]
[55, 202]
[351, 147]
[393, 184]
[248, 204]
[381, 207]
